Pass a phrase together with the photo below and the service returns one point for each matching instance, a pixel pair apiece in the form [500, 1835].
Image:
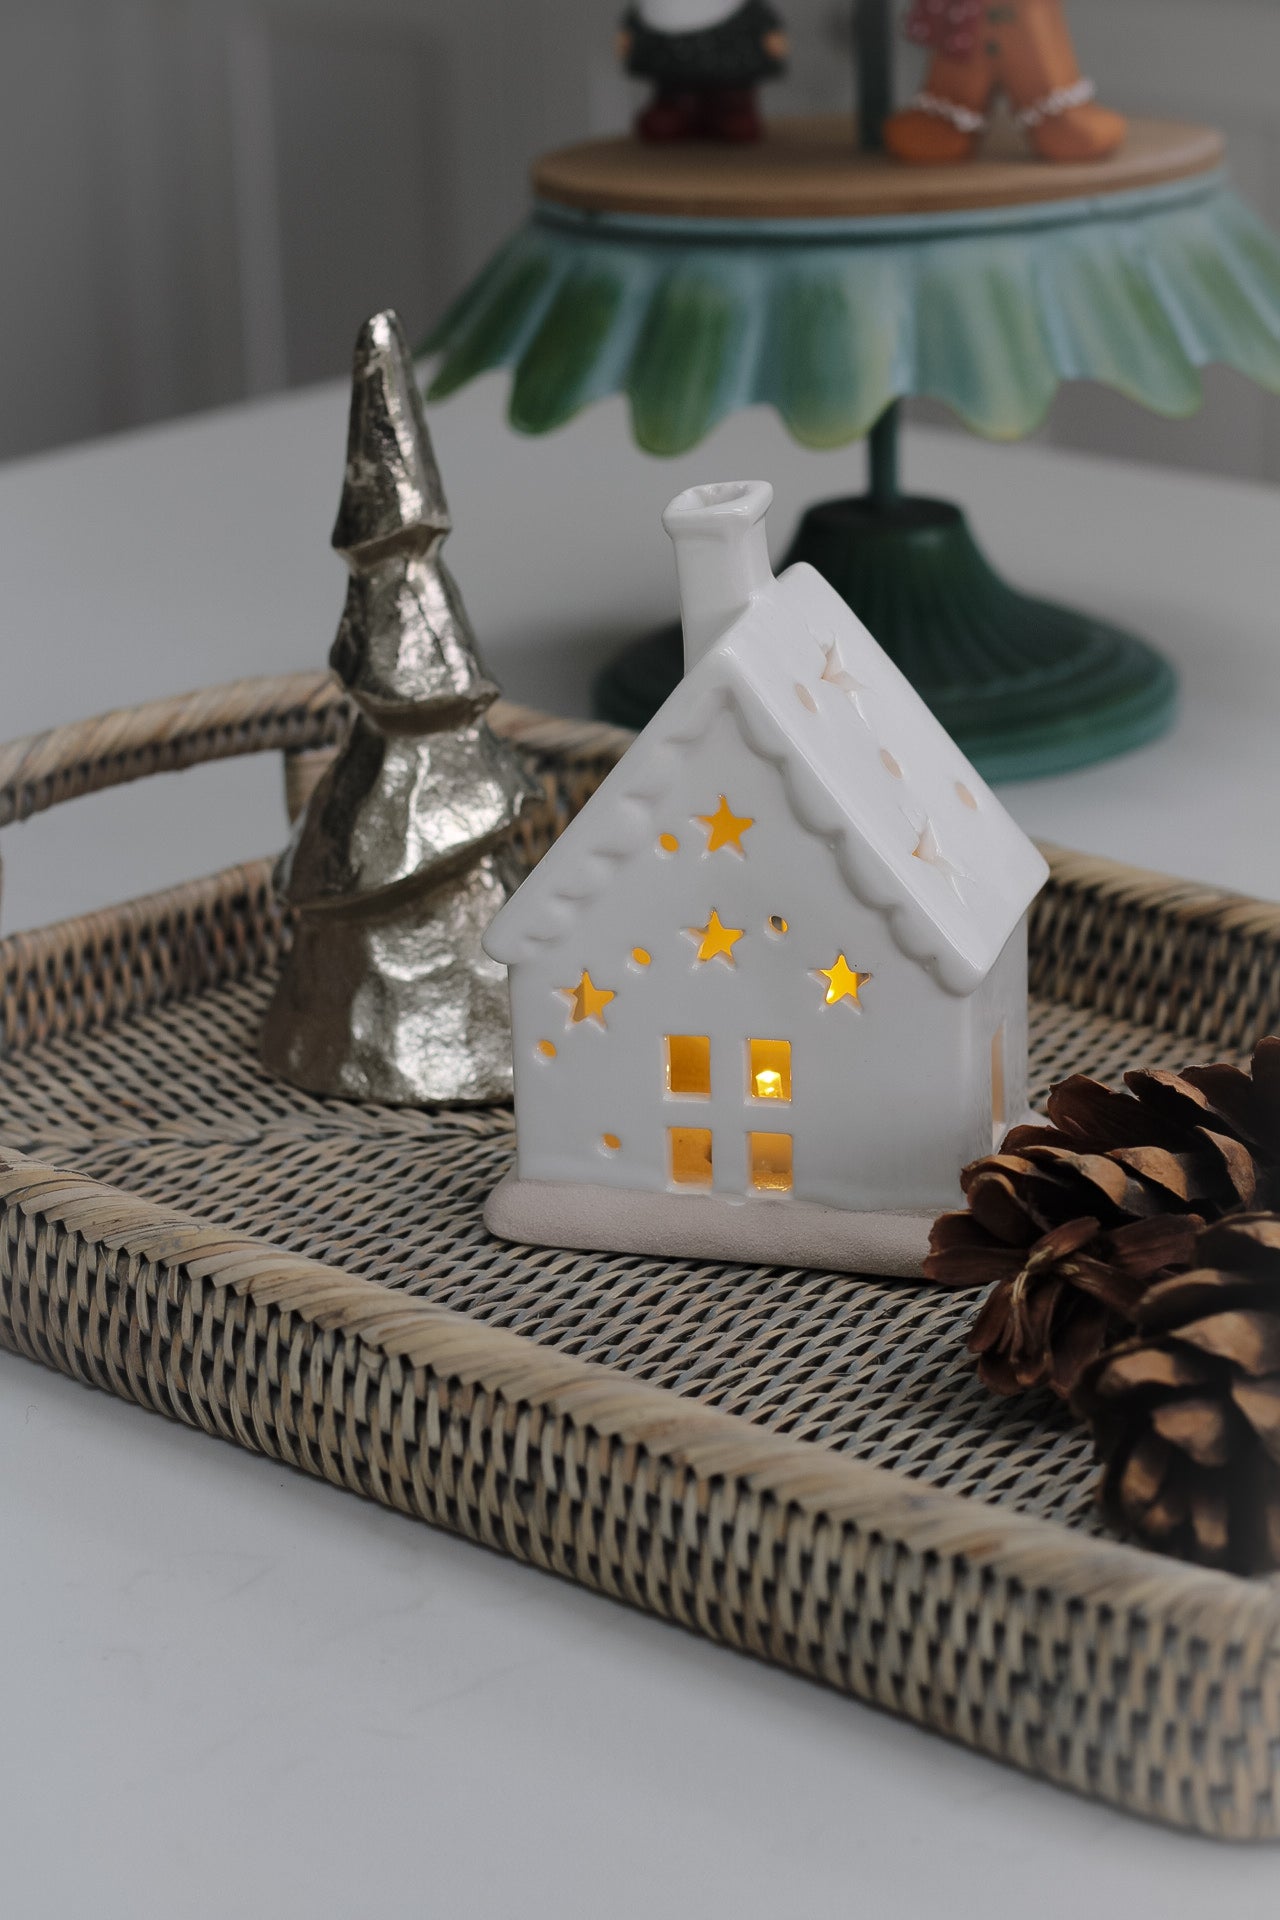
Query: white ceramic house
[769, 989]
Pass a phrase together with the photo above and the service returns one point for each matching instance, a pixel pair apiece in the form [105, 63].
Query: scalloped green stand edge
[580, 305]
[1027, 688]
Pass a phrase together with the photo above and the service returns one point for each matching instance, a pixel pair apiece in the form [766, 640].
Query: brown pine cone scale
[1073, 1296]
[1172, 1153]
[1186, 1412]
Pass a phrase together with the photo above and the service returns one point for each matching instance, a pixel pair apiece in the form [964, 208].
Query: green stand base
[1026, 687]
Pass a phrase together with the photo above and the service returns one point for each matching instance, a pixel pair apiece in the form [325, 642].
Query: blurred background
[201, 199]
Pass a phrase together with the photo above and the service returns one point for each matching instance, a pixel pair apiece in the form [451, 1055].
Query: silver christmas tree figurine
[402, 857]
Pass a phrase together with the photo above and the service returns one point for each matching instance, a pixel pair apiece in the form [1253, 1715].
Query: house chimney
[722, 558]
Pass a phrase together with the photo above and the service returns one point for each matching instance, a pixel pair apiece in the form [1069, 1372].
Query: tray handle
[295, 714]
[304, 716]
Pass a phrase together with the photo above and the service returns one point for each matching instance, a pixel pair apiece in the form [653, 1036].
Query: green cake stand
[830, 284]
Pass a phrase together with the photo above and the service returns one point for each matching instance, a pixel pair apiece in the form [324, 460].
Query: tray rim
[1045, 1610]
[65, 1240]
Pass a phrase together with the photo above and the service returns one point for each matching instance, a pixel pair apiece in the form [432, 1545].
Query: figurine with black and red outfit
[705, 59]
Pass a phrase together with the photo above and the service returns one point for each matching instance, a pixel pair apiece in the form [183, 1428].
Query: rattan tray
[799, 1465]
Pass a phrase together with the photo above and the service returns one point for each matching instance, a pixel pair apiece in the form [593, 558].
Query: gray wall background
[200, 199]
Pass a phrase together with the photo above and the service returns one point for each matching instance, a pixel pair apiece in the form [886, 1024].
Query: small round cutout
[640, 956]
[965, 797]
[805, 698]
[668, 843]
[777, 924]
[610, 1142]
[889, 764]
[547, 1049]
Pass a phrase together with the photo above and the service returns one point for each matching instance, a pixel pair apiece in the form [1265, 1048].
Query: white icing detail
[836, 674]
[930, 854]
[1061, 100]
[963, 119]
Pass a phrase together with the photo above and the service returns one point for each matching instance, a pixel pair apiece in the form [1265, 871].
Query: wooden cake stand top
[811, 169]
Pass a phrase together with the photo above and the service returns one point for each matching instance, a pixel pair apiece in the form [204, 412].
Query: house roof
[917, 835]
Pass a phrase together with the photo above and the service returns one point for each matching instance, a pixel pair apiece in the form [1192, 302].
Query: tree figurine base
[1026, 688]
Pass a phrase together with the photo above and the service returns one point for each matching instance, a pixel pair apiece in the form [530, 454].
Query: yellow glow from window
[641, 956]
[690, 1149]
[777, 924]
[611, 1141]
[689, 1064]
[668, 843]
[770, 1068]
[547, 1048]
[966, 798]
[771, 1162]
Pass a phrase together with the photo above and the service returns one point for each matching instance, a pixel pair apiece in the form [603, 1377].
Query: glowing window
[770, 1162]
[690, 1150]
[547, 1049]
[668, 843]
[769, 1067]
[689, 1064]
[805, 698]
[641, 956]
[610, 1142]
[777, 924]
[966, 797]
[889, 764]
[999, 1115]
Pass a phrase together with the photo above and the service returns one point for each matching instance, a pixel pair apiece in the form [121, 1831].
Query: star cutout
[843, 982]
[714, 940]
[836, 675]
[725, 828]
[587, 1000]
[930, 854]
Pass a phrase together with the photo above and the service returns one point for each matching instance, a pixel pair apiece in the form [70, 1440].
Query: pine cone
[1072, 1298]
[1186, 1413]
[1054, 1217]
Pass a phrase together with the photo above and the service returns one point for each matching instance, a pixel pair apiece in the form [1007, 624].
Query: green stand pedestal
[1024, 686]
[819, 280]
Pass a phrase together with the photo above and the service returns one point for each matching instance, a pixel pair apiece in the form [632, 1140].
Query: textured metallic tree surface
[399, 812]
[401, 858]
[404, 1008]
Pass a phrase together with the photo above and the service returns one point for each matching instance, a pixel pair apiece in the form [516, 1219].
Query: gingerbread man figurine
[980, 48]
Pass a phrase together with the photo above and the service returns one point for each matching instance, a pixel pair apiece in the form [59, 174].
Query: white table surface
[229, 1689]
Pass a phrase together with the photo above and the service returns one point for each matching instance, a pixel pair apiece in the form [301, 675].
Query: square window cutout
[771, 1166]
[689, 1149]
[689, 1064]
[769, 1068]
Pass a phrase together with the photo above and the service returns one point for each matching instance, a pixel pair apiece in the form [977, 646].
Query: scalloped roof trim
[951, 913]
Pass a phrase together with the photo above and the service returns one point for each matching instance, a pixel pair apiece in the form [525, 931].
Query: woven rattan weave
[799, 1465]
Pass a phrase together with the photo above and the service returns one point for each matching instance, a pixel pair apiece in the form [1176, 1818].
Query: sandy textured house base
[708, 1226]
